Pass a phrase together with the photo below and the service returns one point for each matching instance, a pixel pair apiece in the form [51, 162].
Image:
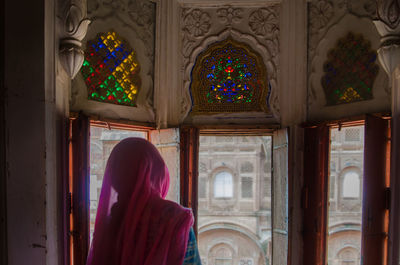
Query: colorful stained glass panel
[350, 71]
[229, 77]
[111, 70]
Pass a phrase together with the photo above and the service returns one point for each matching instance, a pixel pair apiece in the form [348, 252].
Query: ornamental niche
[229, 77]
[350, 71]
[111, 70]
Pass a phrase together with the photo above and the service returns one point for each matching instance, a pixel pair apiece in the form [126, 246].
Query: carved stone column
[388, 26]
[74, 25]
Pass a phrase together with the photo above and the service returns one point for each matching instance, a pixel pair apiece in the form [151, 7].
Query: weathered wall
[34, 115]
[3, 198]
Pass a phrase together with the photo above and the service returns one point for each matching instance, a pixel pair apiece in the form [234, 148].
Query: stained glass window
[111, 71]
[229, 77]
[350, 71]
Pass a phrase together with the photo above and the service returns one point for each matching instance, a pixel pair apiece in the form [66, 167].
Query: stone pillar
[388, 26]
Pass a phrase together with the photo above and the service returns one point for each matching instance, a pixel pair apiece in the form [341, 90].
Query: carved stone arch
[223, 168]
[342, 227]
[225, 244]
[264, 52]
[233, 228]
[348, 254]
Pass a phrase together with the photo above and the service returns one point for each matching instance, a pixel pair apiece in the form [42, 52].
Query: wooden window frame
[190, 158]
[375, 208]
[77, 187]
[77, 190]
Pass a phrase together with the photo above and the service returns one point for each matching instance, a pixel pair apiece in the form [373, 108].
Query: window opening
[247, 187]
[102, 141]
[223, 185]
[351, 185]
[344, 215]
[225, 221]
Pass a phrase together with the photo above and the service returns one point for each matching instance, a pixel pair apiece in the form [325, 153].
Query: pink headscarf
[134, 224]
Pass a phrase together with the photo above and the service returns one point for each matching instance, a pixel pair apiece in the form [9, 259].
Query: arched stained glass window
[111, 71]
[350, 71]
[229, 77]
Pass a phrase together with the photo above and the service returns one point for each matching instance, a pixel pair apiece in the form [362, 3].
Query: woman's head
[133, 162]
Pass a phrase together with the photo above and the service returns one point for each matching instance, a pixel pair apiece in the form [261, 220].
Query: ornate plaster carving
[389, 12]
[264, 22]
[388, 26]
[74, 28]
[133, 20]
[325, 16]
[320, 15]
[257, 26]
[196, 23]
[230, 15]
[138, 15]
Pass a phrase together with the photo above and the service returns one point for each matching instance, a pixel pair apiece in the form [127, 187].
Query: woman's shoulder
[169, 209]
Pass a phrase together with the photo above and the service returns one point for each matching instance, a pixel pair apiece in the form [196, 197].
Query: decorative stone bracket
[388, 26]
[389, 52]
[75, 26]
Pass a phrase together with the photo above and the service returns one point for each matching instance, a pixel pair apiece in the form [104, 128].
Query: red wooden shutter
[316, 156]
[189, 159]
[79, 188]
[374, 213]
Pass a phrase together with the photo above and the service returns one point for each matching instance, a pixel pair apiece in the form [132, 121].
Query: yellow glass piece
[111, 41]
[122, 72]
[350, 95]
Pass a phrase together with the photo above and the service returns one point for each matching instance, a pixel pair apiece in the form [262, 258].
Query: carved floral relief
[256, 25]
[230, 15]
[389, 12]
[138, 15]
[320, 14]
[197, 23]
[325, 15]
[263, 22]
